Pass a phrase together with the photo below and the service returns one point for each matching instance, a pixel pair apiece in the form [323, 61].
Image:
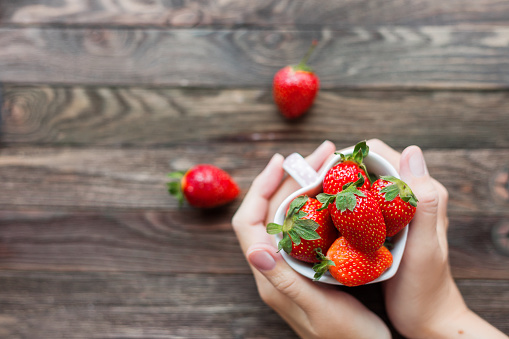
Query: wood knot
[500, 185]
[500, 237]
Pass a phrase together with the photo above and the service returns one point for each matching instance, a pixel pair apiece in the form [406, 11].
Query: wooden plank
[169, 242]
[489, 299]
[203, 242]
[134, 306]
[472, 251]
[138, 116]
[81, 305]
[381, 56]
[133, 179]
[266, 14]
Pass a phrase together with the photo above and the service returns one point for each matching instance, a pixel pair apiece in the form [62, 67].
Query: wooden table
[102, 98]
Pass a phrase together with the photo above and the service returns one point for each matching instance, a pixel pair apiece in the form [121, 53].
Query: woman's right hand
[422, 299]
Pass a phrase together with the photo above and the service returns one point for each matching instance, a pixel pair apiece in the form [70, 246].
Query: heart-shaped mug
[311, 181]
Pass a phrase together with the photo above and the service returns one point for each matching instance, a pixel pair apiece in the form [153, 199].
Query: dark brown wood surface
[101, 99]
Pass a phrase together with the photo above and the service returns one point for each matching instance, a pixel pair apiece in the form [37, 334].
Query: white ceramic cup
[311, 183]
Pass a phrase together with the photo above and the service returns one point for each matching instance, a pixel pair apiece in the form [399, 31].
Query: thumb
[414, 172]
[264, 258]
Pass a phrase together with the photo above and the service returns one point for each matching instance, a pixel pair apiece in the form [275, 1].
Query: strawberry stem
[302, 66]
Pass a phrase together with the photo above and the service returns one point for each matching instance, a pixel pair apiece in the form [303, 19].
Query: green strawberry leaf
[389, 178]
[360, 151]
[297, 204]
[391, 192]
[300, 214]
[355, 184]
[323, 266]
[285, 244]
[174, 188]
[294, 228]
[404, 191]
[273, 228]
[306, 233]
[295, 236]
[325, 199]
[345, 200]
[412, 200]
[307, 223]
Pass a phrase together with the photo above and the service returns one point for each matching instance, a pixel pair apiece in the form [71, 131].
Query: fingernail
[417, 164]
[322, 144]
[272, 161]
[262, 260]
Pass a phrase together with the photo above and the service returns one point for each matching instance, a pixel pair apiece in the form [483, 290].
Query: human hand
[422, 299]
[313, 310]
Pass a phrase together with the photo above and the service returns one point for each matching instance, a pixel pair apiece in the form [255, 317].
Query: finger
[414, 172]
[286, 281]
[248, 221]
[254, 206]
[384, 150]
[320, 154]
[313, 303]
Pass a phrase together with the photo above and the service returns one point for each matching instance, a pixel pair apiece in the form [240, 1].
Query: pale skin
[422, 299]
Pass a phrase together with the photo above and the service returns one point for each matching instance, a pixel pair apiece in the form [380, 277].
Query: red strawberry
[203, 186]
[347, 170]
[397, 202]
[351, 267]
[357, 215]
[295, 87]
[305, 228]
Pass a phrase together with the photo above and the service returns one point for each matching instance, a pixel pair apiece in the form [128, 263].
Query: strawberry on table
[350, 266]
[203, 186]
[304, 229]
[295, 88]
[397, 202]
[347, 170]
[357, 215]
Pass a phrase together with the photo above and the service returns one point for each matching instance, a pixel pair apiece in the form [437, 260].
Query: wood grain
[381, 56]
[134, 306]
[100, 99]
[203, 242]
[280, 14]
[139, 116]
[98, 305]
[134, 179]
[170, 242]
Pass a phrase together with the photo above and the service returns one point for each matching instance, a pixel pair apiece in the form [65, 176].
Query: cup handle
[298, 168]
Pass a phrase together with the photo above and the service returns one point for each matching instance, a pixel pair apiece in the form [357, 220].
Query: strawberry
[295, 87]
[347, 170]
[357, 215]
[397, 202]
[304, 229]
[203, 186]
[350, 266]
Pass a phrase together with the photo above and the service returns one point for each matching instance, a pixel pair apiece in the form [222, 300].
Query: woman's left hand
[312, 309]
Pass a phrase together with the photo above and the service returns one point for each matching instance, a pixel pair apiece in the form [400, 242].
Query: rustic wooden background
[100, 99]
